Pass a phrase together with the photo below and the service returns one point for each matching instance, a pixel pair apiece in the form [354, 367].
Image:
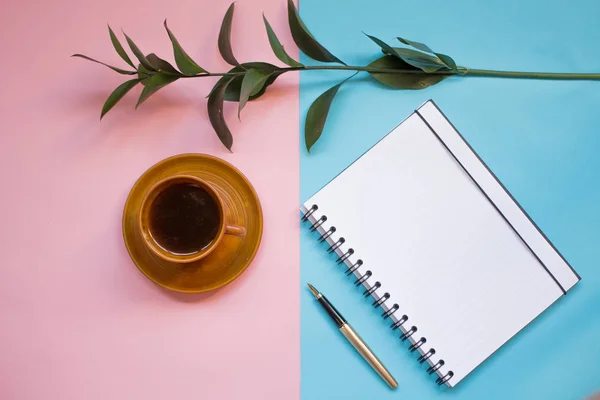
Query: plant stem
[465, 71]
[367, 69]
[462, 71]
[214, 74]
[532, 75]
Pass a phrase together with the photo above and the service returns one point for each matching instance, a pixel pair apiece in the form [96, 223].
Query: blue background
[541, 138]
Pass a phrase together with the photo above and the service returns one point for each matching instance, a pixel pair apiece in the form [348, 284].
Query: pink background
[77, 319]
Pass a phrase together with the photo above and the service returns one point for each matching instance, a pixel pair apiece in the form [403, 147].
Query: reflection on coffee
[184, 218]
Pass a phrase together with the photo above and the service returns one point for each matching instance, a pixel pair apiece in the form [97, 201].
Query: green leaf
[161, 65]
[119, 70]
[233, 94]
[386, 48]
[317, 115]
[225, 37]
[415, 58]
[256, 94]
[144, 74]
[215, 113]
[153, 84]
[420, 60]
[416, 45]
[185, 63]
[117, 95]
[411, 81]
[117, 45]
[253, 81]
[277, 47]
[305, 40]
[447, 60]
[389, 50]
[138, 53]
[234, 88]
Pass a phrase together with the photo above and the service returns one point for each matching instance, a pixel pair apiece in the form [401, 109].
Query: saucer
[234, 253]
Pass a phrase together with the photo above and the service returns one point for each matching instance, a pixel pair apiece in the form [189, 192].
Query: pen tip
[313, 289]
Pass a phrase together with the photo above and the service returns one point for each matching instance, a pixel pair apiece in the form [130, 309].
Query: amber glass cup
[183, 219]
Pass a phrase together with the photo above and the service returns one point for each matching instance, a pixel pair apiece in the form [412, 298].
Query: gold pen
[354, 339]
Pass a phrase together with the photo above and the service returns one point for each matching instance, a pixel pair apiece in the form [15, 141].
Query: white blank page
[442, 249]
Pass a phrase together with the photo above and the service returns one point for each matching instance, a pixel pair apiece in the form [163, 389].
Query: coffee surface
[184, 218]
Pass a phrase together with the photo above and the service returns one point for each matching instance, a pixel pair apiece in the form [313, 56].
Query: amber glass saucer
[230, 258]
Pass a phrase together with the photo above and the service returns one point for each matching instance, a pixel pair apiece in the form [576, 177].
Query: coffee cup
[183, 218]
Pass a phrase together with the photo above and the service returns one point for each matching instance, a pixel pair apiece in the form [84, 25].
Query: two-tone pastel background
[77, 320]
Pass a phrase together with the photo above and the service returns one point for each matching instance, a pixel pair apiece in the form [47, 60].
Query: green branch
[462, 71]
[413, 67]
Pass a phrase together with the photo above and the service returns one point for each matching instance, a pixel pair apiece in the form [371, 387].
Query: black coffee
[184, 218]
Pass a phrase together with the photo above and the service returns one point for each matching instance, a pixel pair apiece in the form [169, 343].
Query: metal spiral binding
[371, 290]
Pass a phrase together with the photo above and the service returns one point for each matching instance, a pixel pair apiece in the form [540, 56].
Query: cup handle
[235, 230]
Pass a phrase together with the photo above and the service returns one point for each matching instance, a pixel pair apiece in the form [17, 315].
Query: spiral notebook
[453, 261]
